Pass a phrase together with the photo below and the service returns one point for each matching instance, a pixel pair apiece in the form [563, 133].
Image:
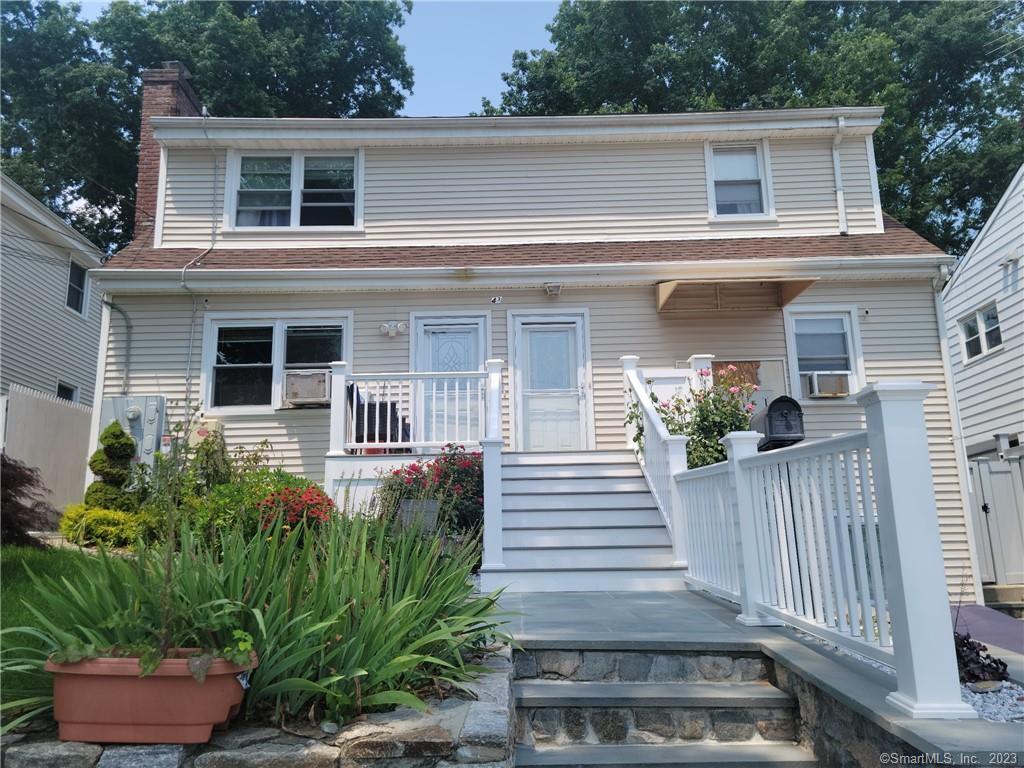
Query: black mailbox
[781, 423]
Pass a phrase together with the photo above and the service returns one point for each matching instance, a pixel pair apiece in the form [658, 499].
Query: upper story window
[980, 332]
[294, 190]
[738, 181]
[75, 297]
[823, 351]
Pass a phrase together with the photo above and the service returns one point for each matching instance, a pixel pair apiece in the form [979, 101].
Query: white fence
[52, 435]
[838, 537]
[660, 454]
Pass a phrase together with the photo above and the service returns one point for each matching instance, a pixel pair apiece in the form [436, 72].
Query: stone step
[676, 695]
[721, 755]
[624, 665]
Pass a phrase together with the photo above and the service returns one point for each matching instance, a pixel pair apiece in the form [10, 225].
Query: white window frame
[764, 165]
[978, 315]
[279, 321]
[85, 290]
[75, 391]
[234, 170]
[849, 313]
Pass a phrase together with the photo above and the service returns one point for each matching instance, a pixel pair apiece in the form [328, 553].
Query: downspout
[959, 445]
[194, 262]
[837, 170]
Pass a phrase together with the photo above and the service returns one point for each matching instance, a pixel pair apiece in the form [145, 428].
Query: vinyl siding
[990, 388]
[43, 341]
[534, 193]
[897, 325]
[860, 204]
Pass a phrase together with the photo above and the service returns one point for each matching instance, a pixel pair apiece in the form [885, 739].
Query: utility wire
[55, 245]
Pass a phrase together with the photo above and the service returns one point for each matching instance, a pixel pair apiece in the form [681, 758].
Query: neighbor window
[75, 298]
[67, 392]
[312, 346]
[243, 373]
[245, 362]
[981, 332]
[822, 344]
[296, 190]
[738, 182]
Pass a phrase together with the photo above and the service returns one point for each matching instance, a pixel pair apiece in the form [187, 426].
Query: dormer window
[297, 190]
[739, 181]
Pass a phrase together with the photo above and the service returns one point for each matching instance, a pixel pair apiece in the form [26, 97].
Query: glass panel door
[450, 406]
[551, 395]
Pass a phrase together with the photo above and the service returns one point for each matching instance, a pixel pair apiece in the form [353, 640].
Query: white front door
[449, 406]
[551, 384]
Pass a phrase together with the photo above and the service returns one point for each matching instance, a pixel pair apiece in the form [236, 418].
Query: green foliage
[209, 463]
[82, 524]
[949, 75]
[71, 97]
[112, 463]
[237, 503]
[455, 479]
[360, 618]
[17, 593]
[23, 503]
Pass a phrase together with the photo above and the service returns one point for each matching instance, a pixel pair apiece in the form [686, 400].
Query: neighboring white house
[50, 316]
[984, 307]
[416, 250]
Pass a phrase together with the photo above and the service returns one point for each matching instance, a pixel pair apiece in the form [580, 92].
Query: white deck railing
[837, 537]
[660, 454]
[406, 412]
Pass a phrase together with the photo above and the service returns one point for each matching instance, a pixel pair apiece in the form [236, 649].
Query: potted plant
[168, 668]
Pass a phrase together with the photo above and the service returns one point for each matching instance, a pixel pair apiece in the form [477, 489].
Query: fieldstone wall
[454, 733]
[838, 736]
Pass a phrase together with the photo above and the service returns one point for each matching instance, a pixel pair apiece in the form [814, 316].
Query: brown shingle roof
[896, 240]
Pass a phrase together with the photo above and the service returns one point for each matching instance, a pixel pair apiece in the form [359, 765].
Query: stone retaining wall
[454, 733]
[838, 736]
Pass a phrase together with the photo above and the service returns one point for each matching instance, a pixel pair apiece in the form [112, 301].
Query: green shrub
[455, 479]
[109, 527]
[360, 618]
[112, 463]
[237, 503]
[72, 522]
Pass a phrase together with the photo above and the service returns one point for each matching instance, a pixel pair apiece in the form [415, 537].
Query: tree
[71, 89]
[950, 75]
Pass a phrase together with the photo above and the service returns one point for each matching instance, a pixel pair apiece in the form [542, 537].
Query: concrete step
[545, 538]
[655, 556]
[533, 694]
[567, 457]
[622, 664]
[625, 517]
[581, 484]
[582, 579]
[587, 501]
[559, 471]
[721, 755]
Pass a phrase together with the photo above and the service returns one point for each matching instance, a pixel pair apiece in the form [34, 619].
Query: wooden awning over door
[729, 295]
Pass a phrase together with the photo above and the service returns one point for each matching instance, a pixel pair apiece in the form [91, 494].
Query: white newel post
[927, 683]
[676, 449]
[339, 408]
[629, 366]
[740, 445]
[698, 363]
[492, 445]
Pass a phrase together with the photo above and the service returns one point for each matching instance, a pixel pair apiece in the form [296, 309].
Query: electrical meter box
[142, 417]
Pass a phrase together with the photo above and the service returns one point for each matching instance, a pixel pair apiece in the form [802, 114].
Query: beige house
[414, 251]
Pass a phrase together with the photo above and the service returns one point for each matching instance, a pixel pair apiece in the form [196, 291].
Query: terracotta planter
[105, 700]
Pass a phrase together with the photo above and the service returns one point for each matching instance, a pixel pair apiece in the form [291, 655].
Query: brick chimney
[166, 92]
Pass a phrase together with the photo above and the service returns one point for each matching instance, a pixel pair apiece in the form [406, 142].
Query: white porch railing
[660, 454]
[840, 538]
[406, 412]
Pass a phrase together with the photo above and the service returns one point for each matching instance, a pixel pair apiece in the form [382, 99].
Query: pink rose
[664, 403]
[750, 407]
[756, 388]
[704, 372]
[732, 368]
[733, 390]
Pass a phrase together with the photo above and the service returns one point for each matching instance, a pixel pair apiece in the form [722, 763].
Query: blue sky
[458, 50]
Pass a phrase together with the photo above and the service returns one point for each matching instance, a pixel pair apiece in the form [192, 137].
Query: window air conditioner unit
[307, 387]
[822, 384]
